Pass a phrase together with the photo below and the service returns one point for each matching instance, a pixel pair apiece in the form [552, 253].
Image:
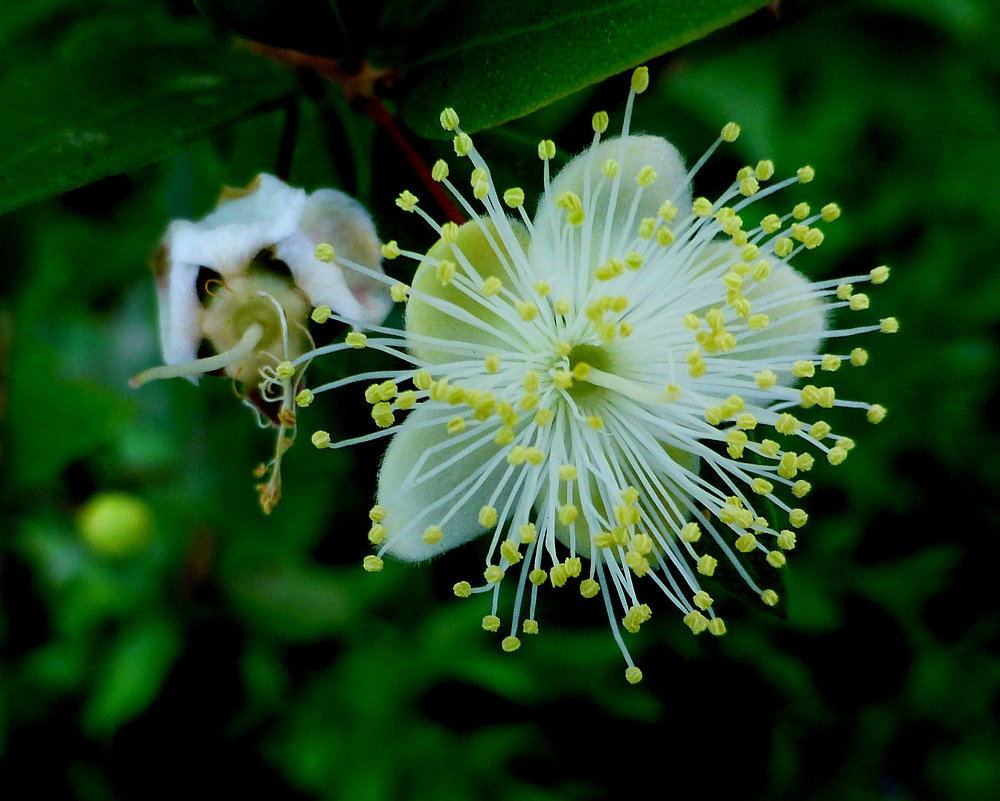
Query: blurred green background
[222, 651]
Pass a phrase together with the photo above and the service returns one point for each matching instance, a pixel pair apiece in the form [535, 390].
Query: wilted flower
[244, 279]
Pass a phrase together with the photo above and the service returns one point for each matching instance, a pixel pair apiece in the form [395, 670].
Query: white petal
[228, 238]
[413, 503]
[632, 154]
[333, 217]
[178, 306]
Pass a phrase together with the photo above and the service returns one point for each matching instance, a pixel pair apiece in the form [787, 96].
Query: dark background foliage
[237, 653]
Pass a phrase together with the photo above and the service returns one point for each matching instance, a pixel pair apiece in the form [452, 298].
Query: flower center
[580, 358]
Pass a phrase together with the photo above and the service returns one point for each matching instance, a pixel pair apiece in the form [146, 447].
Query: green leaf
[133, 674]
[118, 104]
[497, 61]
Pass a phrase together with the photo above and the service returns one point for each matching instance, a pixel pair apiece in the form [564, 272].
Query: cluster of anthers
[608, 389]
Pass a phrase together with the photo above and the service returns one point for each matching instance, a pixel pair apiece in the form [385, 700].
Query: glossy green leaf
[100, 111]
[133, 674]
[497, 61]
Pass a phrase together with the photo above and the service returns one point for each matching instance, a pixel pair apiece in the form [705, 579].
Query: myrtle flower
[621, 393]
[243, 281]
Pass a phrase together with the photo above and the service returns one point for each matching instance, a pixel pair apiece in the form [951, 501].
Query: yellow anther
[801, 488]
[830, 362]
[304, 398]
[510, 643]
[770, 223]
[769, 447]
[630, 495]
[390, 250]
[859, 357]
[528, 401]
[546, 149]
[805, 174]
[668, 211]
[762, 486]
[321, 314]
[625, 329]
[589, 588]
[646, 176]
[439, 171]
[377, 514]
[809, 395]
[491, 286]
[776, 559]
[537, 576]
[445, 271]
[804, 461]
[702, 207]
[504, 436]
[642, 544]
[830, 212]
[407, 201]
[610, 168]
[707, 564]
[487, 516]
[702, 600]
[836, 455]
[633, 675]
[761, 270]
[517, 455]
[786, 539]
[372, 563]
[764, 170]
[749, 186]
[324, 252]
[880, 275]
[813, 238]
[449, 119]
[543, 417]
[716, 627]
[507, 414]
[567, 472]
[714, 415]
[766, 379]
[528, 533]
[493, 574]
[508, 550]
[320, 439]
[599, 122]
[820, 429]
[534, 455]
[749, 253]
[769, 597]
[647, 225]
[803, 369]
[783, 246]
[562, 306]
[732, 280]
[563, 379]
[743, 173]
[529, 626]
[462, 589]
[664, 236]
[638, 563]
[800, 211]
[798, 517]
[558, 575]
[595, 422]
[568, 513]
[876, 413]
[432, 534]
[573, 565]
[462, 144]
[399, 292]
[758, 321]
[491, 623]
[730, 132]
[356, 339]
[377, 533]
[746, 543]
[787, 423]
[422, 380]
[889, 325]
[696, 621]
[640, 80]
[786, 465]
[492, 363]
[690, 532]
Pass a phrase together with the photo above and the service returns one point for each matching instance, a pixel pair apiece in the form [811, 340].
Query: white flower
[607, 390]
[244, 279]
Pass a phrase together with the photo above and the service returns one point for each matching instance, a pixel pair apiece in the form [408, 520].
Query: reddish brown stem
[380, 115]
